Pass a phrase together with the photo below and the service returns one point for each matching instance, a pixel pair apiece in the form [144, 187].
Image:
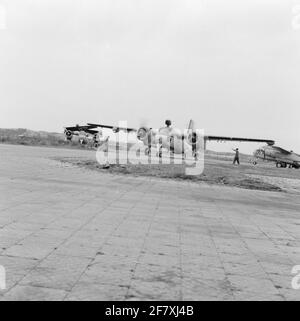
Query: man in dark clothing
[236, 156]
[194, 144]
[167, 130]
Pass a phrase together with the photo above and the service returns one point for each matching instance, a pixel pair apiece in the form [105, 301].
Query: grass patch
[213, 173]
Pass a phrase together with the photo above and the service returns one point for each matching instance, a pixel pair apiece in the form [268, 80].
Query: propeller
[68, 134]
[144, 129]
[192, 136]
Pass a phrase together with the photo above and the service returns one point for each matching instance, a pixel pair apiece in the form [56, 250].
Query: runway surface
[68, 233]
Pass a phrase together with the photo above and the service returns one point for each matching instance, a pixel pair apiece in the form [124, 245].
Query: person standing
[194, 145]
[165, 131]
[236, 156]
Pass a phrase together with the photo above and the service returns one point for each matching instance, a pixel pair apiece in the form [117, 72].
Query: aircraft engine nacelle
[115, 130]
[142, 133]
[69, 134]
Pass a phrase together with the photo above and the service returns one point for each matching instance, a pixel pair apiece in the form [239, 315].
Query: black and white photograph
[149, 152]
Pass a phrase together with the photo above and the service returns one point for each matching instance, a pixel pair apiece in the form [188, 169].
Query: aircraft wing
[239, 139]
[114, 128]
[81, 128]
[90, 131]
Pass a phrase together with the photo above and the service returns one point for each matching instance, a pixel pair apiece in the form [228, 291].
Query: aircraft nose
[259, 152]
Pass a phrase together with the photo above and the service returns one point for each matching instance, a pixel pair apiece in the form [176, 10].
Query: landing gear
[281, 164]
[195, 155]
[160, 146]
[148, 151]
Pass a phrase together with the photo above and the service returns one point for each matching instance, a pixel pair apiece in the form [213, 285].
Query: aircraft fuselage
[280, 156]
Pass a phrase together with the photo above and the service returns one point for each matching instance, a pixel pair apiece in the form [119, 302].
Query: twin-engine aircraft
[278, 155]
[86, 134]
[171, 139]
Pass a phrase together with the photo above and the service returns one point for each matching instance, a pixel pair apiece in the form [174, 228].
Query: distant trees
[27, 137]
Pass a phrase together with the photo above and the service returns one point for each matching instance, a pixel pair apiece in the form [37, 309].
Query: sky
[233, 66]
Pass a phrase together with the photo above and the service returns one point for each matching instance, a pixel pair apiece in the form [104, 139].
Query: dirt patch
[288, 184]
[213, 173]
